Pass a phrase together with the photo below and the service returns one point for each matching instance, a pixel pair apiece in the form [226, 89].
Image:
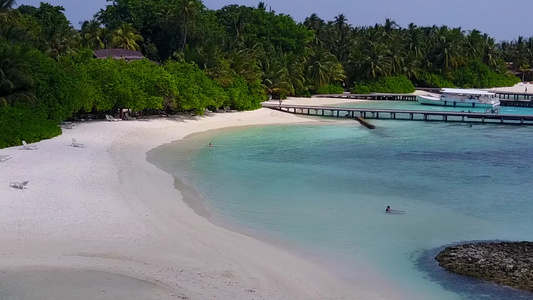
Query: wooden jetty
[514, 96]
[506, 98]
[395, 114]
[373, 96]
[519, 103]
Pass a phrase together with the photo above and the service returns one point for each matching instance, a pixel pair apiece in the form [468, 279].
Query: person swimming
[394, 211]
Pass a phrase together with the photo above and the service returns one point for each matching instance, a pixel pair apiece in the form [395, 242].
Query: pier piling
[365, 123]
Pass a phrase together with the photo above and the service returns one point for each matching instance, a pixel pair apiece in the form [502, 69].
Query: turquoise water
[325, 188]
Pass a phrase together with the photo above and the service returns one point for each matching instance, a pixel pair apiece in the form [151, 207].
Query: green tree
[7, 5]
[448, 49]
[323, 68]
[91, 35]
[188, 10]
[15, 83]
[126, 37]
[56, 33]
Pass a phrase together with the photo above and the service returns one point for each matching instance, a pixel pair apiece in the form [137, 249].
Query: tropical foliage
[235, 56]
[393, 84]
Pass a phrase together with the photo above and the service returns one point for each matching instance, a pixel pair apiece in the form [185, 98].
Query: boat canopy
[467, 92]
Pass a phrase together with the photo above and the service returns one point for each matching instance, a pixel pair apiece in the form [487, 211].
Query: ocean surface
[324, 188]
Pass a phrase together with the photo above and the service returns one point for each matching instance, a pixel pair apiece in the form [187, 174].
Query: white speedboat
[461, 98]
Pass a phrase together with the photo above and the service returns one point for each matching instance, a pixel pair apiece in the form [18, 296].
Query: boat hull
[471, 103]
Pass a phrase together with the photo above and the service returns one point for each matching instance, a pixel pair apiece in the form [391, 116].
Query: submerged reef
[504, 263]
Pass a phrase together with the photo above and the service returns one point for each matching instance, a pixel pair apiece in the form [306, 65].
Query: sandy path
[102, 223]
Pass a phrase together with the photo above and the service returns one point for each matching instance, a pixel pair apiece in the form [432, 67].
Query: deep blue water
[325, 188]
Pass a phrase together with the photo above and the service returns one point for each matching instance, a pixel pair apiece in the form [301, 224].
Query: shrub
[196, 90]
[433, 80]
[278, 93]
[245, 96]
[396, 84]
[330, 89]
[25, 123]
[360, 89]
[302, 93]
[53, 87]
[478, 75]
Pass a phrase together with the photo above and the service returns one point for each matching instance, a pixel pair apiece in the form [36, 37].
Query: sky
[501, 19]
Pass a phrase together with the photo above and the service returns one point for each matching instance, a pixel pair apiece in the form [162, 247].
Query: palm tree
[261, 6]
[390, 25]
[276, 78]
[411, 67]
[474, 44]
[314, 22]
[378, 61]
[524, 69]
[15, 85]
[490, 54]
[126, 37]
[517, 53]
[7, 5]
[106, 37]
[323, 67]
[64, 41]
[90, 34]
[13, 29]
[529, 50]
[245, 63]
[318, 25]
[342, 40]
[414, 41]
[447, 48]
[188, 10]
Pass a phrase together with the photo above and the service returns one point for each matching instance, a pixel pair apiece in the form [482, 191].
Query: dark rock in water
[504, 263]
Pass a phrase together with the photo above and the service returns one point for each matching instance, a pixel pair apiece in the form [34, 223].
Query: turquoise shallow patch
[326, 188]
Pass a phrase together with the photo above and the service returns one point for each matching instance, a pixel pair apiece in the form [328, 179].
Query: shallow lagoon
[325, 188]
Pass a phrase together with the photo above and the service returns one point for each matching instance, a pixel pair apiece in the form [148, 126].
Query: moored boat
[461, 98]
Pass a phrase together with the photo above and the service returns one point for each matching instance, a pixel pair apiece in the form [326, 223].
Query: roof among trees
[118, 54]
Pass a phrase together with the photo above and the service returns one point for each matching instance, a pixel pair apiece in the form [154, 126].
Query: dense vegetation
[236, 56]
[393, 84]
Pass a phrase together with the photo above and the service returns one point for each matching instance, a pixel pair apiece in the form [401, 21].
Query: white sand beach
[520, 88]
[103, 223]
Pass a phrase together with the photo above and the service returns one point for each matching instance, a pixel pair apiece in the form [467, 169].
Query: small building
[127, 55]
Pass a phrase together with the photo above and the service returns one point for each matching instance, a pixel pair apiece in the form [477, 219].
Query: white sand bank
[521, 88]
[105, 211]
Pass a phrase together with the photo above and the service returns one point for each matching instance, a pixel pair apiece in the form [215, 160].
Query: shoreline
[189, 145]
[106, 209]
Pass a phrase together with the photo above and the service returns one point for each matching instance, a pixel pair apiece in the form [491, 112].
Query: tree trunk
[184, 38]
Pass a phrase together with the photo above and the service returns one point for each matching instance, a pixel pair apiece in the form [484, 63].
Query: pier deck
[506, 98]
[412, 115]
